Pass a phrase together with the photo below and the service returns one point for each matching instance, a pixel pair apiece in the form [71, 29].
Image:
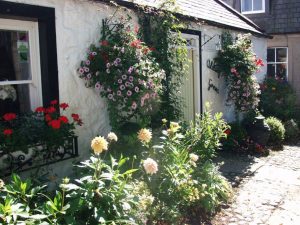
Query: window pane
[14, 56]
[281, 70]
[15, 98]
[271, 55]
[281, 55]
[257, 5]
[246, 5]
[271, 70]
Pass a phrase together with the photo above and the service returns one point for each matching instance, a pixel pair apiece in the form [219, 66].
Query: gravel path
[267, 189]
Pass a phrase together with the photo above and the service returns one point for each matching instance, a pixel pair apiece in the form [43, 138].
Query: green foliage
[237, 63]
[277, 131]
[122, 70]
[203, 136]
[103, 195]
[161, 29]
[277, 92]
[236, 138]
[292, 130]
[185, 179]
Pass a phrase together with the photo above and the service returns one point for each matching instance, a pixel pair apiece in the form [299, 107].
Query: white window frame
[253, 11]
[275, 62]
[35, 84]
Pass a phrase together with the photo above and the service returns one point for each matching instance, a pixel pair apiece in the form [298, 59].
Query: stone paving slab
[267, 190]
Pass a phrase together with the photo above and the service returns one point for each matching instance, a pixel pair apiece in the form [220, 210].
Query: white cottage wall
[209, 52]
[77, 26]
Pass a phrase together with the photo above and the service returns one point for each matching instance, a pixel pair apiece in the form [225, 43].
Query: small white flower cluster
[8, 92]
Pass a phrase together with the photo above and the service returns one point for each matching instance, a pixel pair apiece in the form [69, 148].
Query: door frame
[189, 32]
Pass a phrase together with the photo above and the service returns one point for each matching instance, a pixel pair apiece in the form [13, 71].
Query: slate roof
[213, 12]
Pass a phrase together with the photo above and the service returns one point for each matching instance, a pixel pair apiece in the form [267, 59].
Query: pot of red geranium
[41, 137]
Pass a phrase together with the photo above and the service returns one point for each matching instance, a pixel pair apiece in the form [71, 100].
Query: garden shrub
[277, 92]
[204, 134]
[292, 130]
[179, 174]
[277, 131]
[237, 138]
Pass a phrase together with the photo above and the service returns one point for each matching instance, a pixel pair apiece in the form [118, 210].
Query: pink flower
[86, 69]
[122, 87]
[146, 96]
[129, 93]
[142, 102]
[134, 105]
[130, 70]
[124, 77]
[87, 62]
[81, 70]
[108, 89]
[110, 96]
[120, 81]
[97, 86]
[107, 65]
[107, 71]
[130, 78]
[119, 93]
[136, 89]
[94, 53]
[127, 84]
[89, 76]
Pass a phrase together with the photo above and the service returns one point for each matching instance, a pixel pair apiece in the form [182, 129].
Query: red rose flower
[50, 110]
[55, 124]
[53, 102]
[48, 117]
[40, 109]
[64, 106]
[228, 131]
[8, 132]
[9, 116]
[63, 119]
[104, 43]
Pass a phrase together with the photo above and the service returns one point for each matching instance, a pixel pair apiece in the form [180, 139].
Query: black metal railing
[38, 155]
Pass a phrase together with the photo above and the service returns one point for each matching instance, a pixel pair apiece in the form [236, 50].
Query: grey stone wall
[281, 16]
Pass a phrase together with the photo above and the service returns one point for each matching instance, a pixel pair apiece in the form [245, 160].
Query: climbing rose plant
[121, 69]
[238, 64]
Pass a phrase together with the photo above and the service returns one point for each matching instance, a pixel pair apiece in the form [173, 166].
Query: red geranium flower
[259, 62]
[146, 50]
[9, 116]
[63, 106]
[50, 110]
[48, 117]
[63, 119]
[77, 119]
[53, 102]
[75, 116]
[104, 43]
[55, 124]
[40, 109]
[8, 132]
[228, 131]
[136, 44]
[152, 49]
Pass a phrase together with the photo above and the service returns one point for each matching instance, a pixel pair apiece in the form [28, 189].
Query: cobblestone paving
[267, 190]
